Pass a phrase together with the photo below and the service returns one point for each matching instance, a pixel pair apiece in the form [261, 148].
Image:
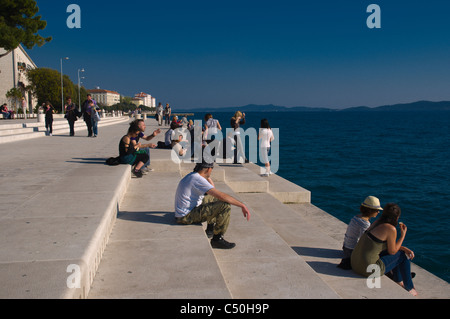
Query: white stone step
[321, 252]
[150, 256]
[35, 130]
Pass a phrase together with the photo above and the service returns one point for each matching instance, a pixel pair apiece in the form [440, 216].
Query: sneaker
[147, 170]
[210, 231]
[220, 243]
[138, 174]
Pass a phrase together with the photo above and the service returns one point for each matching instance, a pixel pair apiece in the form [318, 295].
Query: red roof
[142, 94]
[102, 91]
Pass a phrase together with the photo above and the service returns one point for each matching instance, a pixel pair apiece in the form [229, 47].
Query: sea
[343, 156]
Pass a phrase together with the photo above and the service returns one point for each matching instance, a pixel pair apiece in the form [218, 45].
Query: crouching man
[198, 201]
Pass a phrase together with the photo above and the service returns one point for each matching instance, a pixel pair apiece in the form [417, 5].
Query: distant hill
[260, 108]
[406, 107]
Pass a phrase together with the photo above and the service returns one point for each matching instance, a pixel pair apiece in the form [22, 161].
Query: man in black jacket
[86, 115]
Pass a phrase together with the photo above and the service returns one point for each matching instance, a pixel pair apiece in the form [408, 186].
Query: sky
[221, 53]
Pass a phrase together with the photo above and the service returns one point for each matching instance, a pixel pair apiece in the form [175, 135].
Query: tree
[15, 95]
[46, 85]
[19, 24]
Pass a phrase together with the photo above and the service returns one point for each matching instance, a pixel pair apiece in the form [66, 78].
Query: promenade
[72, 227]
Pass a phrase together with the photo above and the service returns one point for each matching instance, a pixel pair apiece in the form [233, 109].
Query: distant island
[407, 107]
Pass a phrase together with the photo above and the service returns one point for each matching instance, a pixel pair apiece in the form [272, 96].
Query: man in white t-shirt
[198, 201]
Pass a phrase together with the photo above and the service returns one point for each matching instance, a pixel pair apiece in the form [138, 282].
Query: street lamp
[62, 86]
[79, 84]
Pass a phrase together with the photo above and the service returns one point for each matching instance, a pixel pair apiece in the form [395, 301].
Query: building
[137, 101]
[147, 99]
[105, 97]
[13, 74]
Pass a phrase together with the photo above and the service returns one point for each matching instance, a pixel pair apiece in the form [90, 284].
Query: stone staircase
[75, 211]
[18, 130]
[282, 253]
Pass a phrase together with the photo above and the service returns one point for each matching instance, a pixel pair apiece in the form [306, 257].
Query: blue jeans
[400, 266]
[147, 151]
[94, 126]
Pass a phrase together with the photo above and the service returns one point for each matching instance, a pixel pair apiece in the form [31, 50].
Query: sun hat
[372, 202]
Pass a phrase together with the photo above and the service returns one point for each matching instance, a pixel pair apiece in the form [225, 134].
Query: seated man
[192, 206]
[141, 124]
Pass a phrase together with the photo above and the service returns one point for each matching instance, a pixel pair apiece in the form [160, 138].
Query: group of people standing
[89, 112]
[232, 144]
[163, 114]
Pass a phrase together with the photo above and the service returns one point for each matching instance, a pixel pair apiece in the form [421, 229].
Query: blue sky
[230, 53]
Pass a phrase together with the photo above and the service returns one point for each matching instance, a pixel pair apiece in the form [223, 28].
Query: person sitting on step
[192, 206]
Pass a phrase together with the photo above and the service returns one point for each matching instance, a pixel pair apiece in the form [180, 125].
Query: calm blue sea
[401, 157]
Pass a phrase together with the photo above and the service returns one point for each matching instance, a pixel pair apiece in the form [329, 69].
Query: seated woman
[129, 152]
[378, 246]
[6, 113]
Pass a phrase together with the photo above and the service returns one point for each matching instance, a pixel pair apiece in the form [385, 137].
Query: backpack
[113, 161]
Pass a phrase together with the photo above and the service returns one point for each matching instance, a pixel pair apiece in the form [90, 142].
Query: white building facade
[13, 74]
[147, 99]
[105, 97]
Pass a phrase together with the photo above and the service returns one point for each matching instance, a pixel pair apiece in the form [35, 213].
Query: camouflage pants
[212, 211]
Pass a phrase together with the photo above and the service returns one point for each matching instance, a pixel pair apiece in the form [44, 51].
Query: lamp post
[62, 86]
[79, 84]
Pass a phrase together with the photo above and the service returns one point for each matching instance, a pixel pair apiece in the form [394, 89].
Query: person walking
[265, 137]
[167, 114]
[95, 117]
[86, 115]
[49, 110]
[211, 134]
[160, 113]
[71, 111]
[239, 153]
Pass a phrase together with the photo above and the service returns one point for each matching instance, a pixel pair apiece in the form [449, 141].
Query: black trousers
[49, 125]
[72, 127]
[87, 120]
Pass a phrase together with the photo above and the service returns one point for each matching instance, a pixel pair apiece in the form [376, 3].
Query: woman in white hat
[356, 228]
